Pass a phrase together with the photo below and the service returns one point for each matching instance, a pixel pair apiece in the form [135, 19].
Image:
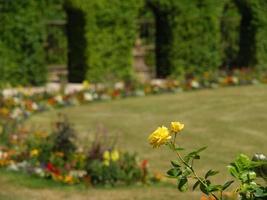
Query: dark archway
[75, 30]
[238, 35]
[66, 45]
[156, 36]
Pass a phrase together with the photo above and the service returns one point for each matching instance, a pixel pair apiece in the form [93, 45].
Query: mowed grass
[229, 121]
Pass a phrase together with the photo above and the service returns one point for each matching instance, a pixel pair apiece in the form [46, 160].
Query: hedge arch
[238, 35]
[155, 34]
[163, 39]
[77, 44]
[245, 43]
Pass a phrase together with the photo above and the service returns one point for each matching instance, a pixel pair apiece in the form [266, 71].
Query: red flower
[51, 168]
[144, 164]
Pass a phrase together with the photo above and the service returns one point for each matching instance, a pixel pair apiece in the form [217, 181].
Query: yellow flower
[56, 177]
[176, 127]
[34, 153]
[106, 155]
[106, 162]
[59, 154]
[86, 85]
[159, 137]
[68, 179]
[115, 155]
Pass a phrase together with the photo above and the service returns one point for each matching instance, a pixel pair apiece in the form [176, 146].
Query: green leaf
[211, 173]
[183, 184]
[196, 185]
[233, 171]
[214, 188]
[203, 189]
[243, 162]
[193, 155]
[260, 192]
[248, 176]
[179, 149]
[175, 163]
[174, 172]
[201, 149]
[226, 185]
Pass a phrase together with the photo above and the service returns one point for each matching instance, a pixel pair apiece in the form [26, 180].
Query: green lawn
[228, 120]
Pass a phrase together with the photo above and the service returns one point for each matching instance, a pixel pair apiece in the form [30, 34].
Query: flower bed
[57, 156]
[23, 102]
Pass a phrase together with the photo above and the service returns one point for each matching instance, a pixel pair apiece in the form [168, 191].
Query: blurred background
[202, 62]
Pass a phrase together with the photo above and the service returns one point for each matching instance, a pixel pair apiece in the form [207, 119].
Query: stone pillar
[142, 71]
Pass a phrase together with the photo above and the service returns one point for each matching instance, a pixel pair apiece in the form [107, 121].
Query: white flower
[59, 99]
[39, 171]
[119, 86]
[13, 167]
[88, 96]
[35, 106]
[195, 84]
[17, 112]
[140, 93]
[78, 173]
[235, 80]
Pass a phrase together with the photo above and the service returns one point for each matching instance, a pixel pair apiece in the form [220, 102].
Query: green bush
[22, 33]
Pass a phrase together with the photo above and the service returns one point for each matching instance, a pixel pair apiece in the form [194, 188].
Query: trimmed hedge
[22, 36]
[190, 38]
[110, 34]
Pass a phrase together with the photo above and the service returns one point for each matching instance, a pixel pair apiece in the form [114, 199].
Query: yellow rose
[159, 137]
[176, 127]
[115, 155]
[34, 153]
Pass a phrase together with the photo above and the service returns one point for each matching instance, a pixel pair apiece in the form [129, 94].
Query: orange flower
[207, 198]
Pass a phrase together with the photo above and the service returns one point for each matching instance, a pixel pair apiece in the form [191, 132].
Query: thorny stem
[191, 168]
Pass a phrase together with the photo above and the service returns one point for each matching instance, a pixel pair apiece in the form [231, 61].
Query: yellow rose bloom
[34, 153]
[176, 127]
[115, 155]
[159, 137]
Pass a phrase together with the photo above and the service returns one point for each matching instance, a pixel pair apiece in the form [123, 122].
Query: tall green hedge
[22, 37]
[191, 37]
[110, 34]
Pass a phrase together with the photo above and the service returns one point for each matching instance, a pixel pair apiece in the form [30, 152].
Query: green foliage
[22, 33]
[64, 136]
[243, 169]
[98, 39]
[183, 170]
[124, 170]
[110, 31]
[230, 26]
